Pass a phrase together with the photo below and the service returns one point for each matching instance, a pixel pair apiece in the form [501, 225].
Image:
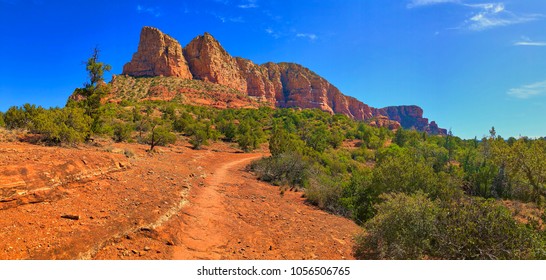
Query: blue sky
[469, 64]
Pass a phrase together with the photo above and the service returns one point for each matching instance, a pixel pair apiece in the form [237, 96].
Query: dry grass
[126, 87]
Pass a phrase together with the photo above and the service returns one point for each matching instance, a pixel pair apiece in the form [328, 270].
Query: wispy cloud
[419, 3]
[154, 11]
[309, 36]
[526, 41]
[249, 4]
[225, 2]
[225, 19]
[533, 44]
[484, 15]
[273, 33]
[528, 91]
[493, 15]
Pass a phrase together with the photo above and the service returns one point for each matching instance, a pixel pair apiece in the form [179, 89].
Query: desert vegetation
[416, 196]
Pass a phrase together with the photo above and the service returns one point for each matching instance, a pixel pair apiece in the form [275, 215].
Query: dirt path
[203, 235]
[179, 203]
[234, 216]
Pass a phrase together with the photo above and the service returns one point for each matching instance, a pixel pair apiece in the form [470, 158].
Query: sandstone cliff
[276, 84]
[158, 55]
[411, 117]
[209, 61]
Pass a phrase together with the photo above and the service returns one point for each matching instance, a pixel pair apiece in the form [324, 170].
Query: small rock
[147, 248]
[135, 251]
[170, 243]
[71, 217]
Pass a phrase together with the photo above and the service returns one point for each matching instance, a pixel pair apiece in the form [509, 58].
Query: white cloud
[272, 33]
[309, 36]
[149, 10]
[484, 15]
[528, 91]
[418, 3]
[533, 44]
[249, 4]
[526, 41]
[224, 19]
[491, 15]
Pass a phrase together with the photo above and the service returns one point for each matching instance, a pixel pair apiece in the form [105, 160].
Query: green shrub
[69, 125]
[326, 193]
[249, 135]
[160, 135]
[284, 169]
[122, 132]
[360, 196]
[405, 174]
[483, 229]
[404, 228]
[415, 227]
[22, 117]
[198, 135]
[2, 123]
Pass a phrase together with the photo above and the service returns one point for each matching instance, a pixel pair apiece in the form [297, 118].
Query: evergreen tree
[95, 88]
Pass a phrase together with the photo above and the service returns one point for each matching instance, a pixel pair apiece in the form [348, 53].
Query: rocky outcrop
[258, 81]
[411, 117]
[384, 121]
[158, 55]
[276, 84]
[209, 61]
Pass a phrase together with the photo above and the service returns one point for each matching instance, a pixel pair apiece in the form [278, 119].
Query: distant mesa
[283, 85]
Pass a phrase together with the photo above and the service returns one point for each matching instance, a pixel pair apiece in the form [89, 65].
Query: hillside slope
[275, 84]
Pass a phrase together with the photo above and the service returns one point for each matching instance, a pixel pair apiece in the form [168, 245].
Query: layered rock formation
[158, 55]
[277, 84]
[208, 61]
[411, 117]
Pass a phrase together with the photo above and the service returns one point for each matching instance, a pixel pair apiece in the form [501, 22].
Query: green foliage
[415, 227]
[67, 125]
[122, 132]
[326, 192]
[281, 141]
[482, 229]
[199, 135]
[360, 195]
[183, 123]
[404, 228]
[95, 89]
[406, 174]
[228, 129]
[521, 165]
[283, 169]
[160, 134]
[22, 117]
[249, 135]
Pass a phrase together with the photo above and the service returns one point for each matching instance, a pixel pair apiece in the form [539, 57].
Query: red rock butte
[283, 85]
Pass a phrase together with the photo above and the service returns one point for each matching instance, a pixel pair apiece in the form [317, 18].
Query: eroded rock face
[384, 121]
[158, 55]
[258, 81]
[276, 84]
[209, 61]
[411, 117]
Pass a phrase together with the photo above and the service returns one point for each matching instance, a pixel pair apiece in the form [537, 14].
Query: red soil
[178, 203]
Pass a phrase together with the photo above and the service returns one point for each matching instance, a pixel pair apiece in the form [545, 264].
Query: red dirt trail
[176, 204]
